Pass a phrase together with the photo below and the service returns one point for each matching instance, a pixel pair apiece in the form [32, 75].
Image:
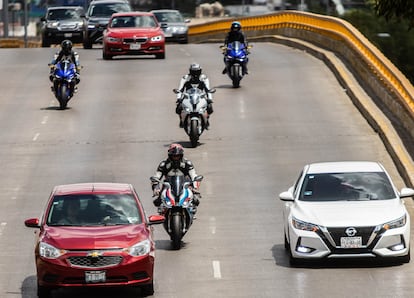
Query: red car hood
[102, 237]
[134, 32]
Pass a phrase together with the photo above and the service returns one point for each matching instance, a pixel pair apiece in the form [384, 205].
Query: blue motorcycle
[64, 81]
[235, 59]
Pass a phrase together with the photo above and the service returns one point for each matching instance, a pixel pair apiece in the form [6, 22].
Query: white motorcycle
[194, 114]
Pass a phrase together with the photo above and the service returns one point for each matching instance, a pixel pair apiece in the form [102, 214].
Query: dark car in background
[60, 23]
[173, 23]
[97, 17]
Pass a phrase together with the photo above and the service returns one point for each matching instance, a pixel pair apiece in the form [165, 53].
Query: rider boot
[224, 70]
[178, 110]
[157, 202]
[245, 71]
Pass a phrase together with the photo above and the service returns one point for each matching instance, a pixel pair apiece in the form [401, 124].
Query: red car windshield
[93, 210]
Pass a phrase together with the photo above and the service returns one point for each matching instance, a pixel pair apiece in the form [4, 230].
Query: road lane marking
[2, 226]
[44, 120]
[36, 136]
[216, 270]
[213, 225]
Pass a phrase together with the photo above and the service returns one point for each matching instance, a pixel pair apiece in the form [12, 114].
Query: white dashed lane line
[216, 270]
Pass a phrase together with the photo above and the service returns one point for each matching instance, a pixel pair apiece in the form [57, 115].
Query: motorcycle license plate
[351, 242]
[134, 46]
[95, 276]
[68, 34]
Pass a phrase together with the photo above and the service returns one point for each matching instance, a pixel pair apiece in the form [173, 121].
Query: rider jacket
[74, 57]
[167, 168]
[203, 83]
[234, 36]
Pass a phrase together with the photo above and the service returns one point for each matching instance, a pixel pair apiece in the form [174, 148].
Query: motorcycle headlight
[157, 38]
[140, 249]
[304, 226]
[202, 110]
[188, 110]
[397, 223]
[50, 252]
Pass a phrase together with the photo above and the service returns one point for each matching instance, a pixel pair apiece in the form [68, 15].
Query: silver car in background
[346, 209]
[174, 25]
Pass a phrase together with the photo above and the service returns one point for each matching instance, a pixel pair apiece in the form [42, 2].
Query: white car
[348, 209]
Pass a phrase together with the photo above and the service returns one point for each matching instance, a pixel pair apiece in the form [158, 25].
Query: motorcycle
[178, 205]
[64, 81]
[235, 59]
[194, 114]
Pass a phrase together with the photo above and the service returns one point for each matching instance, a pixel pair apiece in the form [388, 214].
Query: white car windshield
[346, 187]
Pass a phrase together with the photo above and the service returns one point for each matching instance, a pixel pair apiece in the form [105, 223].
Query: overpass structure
[380, 91]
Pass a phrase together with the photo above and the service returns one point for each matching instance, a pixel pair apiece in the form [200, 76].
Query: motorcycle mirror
[198, 178]
[154, 179]
[176, 91]
[212, 90]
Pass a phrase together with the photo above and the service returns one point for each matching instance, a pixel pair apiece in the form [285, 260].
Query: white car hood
[346, 213]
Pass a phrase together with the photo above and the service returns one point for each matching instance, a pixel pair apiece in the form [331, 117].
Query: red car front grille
[95, 262]
[136, 40]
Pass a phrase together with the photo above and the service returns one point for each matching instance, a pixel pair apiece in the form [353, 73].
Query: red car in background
[133, 33]
[94, 235]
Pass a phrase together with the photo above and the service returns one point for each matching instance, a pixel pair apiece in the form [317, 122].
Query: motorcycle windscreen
[176, 183]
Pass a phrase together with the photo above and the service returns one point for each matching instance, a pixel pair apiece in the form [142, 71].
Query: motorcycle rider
[66, 52]
[173, 165]
[196, 77]
[235, 34]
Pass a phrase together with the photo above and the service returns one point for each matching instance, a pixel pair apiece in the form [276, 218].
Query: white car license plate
[68, 34]
[351, 242]
[134, 46]
[95, 276]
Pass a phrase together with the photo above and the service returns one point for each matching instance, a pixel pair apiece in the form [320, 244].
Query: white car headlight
[140, 249]
[157, 38]
[50, 252]
[304, 226]
[397, 223]
[53, 25]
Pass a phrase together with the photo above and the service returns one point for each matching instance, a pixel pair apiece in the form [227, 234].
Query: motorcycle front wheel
[63, 96]
[176, 230]
[194, 133]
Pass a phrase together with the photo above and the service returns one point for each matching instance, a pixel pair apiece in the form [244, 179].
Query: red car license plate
[95, 276]
[134, 46]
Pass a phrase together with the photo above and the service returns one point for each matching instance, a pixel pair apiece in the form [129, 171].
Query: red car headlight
[140, 249]
[50, 252]
[157, 38]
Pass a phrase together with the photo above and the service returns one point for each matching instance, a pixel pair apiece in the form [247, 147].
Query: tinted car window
[64, 14]
[169, 17]
[107, 9]
[96, 210]
[346, 186]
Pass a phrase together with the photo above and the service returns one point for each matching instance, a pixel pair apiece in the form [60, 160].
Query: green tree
[399, 9]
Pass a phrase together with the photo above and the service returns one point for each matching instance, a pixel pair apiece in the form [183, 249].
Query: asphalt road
[289, 111]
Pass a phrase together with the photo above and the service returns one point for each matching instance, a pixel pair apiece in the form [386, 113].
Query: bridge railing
[375, 73]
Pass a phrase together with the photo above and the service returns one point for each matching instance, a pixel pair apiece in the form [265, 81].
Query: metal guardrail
[375, 73]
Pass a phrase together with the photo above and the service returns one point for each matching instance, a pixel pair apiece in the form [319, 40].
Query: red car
[133, 33]
[94, 235]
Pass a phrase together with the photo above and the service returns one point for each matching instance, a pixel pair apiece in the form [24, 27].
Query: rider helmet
[235, 26]
[66, 46]
[195, 70]
[175, 153]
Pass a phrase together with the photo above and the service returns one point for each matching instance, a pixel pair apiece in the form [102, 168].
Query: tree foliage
[399, 9]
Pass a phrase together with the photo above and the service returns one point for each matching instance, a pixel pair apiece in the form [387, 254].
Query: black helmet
[66, 46]
[195, 70]
[175, 154]
[235, 26]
